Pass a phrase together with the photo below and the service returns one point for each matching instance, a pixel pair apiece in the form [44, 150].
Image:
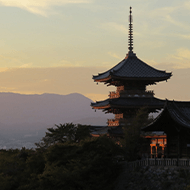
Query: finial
[130, 31]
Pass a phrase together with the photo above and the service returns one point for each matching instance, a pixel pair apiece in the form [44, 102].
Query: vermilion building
[174, 121]
[158, 145]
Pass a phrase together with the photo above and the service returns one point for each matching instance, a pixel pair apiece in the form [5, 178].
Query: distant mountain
[46, 108]
[93, 120]
[24, 119]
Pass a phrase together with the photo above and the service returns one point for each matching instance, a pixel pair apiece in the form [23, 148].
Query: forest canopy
[66, 158]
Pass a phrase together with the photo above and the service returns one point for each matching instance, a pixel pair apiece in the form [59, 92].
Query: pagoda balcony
[114, 94]
[119, 116]
[131, 93]
[115, 122]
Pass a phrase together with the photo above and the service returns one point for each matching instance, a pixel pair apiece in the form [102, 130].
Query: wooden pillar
[167, 149]
[157, 148]
[162, 151]
[178, 146]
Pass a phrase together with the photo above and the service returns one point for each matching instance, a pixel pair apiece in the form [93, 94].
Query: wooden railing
[114, 94]
[113, 122]
[160, 162]
[130, 93]
[119, 116]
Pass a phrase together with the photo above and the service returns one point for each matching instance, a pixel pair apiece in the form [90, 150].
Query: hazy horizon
[24, 119]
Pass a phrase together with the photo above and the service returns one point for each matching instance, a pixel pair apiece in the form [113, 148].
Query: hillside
[25, 118]
[46, 108]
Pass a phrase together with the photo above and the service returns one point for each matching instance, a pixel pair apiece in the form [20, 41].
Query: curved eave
[175, 114]
[184, 124]
[132, 68]
[101, 104]
[104, 79]
[153, 125]
[123, 107]
[102, 107]
[178, 116]
[130, 103]
[150, 79]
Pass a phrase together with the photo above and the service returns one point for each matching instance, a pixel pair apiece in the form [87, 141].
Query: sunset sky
[55, 46]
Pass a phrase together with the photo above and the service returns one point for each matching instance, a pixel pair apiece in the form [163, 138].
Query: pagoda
[131, 76]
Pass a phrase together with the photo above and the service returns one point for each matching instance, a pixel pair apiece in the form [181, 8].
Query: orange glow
[158, 144]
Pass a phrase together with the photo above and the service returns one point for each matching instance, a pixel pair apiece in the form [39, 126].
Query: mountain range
[25, 118]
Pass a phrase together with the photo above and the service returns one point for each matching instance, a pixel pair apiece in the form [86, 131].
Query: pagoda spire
[130, 32]
[130, 39]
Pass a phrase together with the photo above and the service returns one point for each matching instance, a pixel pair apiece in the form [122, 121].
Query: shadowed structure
[174, 121]
[131, 77]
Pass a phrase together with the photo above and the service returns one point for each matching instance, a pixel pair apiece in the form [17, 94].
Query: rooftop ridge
[174, 106]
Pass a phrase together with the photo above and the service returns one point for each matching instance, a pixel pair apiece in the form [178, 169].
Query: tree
[74, 163]
[85, 165]
[133, 140]
[62, 133]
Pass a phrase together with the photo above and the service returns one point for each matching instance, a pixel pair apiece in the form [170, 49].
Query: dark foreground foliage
[87, 164]
[134, 142]
[62, 133]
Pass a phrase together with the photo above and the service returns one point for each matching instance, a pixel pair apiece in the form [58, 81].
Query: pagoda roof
[132, 68]
[115, 131]
[131, 102]
[177, 111]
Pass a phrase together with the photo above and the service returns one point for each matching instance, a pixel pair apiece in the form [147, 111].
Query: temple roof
[116, 131]
[177, 111]
[135, 102]
[132, 68]
[98, 130]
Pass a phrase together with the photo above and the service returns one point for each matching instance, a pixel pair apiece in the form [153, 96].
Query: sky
[55, 46]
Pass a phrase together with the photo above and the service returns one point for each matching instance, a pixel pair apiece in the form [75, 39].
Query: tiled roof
[178, 111]
[130, 102]
[99, 130]
[132, 67]
[115, 131]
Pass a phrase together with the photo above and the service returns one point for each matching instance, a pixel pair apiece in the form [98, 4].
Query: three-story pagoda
[131, 77]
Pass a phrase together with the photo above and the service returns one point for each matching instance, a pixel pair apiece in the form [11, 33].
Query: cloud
[69, 64]
[114, 55]
[116, 26]
[163, 12]
[169, 19]
[41, 7]
[168, 14]
[187, 5]
[123, 28]
[153, 44]
[183, 53]
[59, 80]
[151, 62]
[184, 36]
[159, 21]
[26, 65]
[181, 58]
[3, 70]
